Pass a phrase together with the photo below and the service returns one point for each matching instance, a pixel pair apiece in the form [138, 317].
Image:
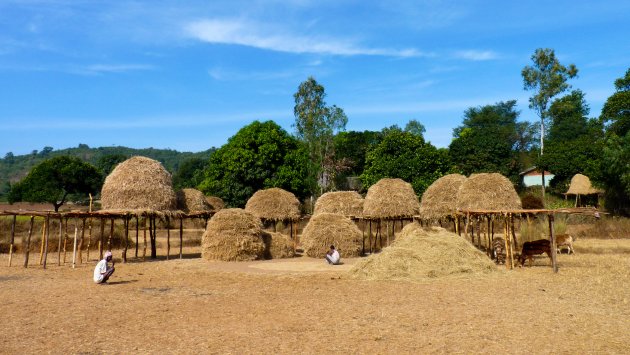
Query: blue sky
[187, 75]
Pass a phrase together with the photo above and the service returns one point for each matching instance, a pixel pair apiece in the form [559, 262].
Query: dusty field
[305, 306]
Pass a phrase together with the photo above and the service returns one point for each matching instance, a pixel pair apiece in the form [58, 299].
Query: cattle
[565, 240]
[534, 248]
[498, 250]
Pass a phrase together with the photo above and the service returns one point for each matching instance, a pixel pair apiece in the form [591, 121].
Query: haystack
[233, 235]
[216, 203]
[326, 229]
[278, 245]
[138, 183]
[420, 254]
[274, 204]
[192, 200]
[440, 199]
[487, 191]
[391, 198]
[581, 185]
[345, 203]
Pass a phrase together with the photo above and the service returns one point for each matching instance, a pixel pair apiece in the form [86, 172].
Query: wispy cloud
[117, 68]
[243, 33]
[477, 55]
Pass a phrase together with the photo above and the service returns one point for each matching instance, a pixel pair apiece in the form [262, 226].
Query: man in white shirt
[102, 272]
[332, 256]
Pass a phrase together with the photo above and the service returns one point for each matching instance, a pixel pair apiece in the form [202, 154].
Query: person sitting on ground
[102, 272]
[332, 256]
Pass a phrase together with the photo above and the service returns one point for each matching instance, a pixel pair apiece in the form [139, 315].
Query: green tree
[189, 173]
[107, 163]
[54, 179]
[491, 140]
[316, 125]
[258, 156]
[547, 78]
[406, 156]
[616, 110]
[415, 127]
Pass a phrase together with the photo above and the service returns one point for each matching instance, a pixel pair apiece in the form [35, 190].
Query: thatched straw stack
[278, 245]
[487, 191]
[345, 203]
[581, 185]
[216, 203]
[440, 199]
[326, 229]
[138, 183]
[419, 254]
[391, 198]
[274, 204]
[233, 235]
[192, 200]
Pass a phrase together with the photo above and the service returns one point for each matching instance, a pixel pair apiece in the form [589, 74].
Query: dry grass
[274, 204]
[278, 246]
[192, 200]
[581, 185]
[391, 198]
[345, 203]
[440, 199]
[326, 229]
[216, 203]
[485, 191]
[138, 183]
[233, 235]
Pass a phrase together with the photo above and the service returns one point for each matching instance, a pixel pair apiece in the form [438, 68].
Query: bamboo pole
[65, 239]
[12, 239]
[41, 249]
[46, 241]
[28, 242]
[554, 257]
[74, 249]
[181, 236]
[126, 224]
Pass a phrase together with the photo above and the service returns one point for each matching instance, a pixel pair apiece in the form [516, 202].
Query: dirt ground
[303, 305]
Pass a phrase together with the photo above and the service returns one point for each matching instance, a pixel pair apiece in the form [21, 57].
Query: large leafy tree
[491, 140]
[352, 147]
[547, 78]
[316, 124]
[574, 143]
[616, 110]
[55, 179]
[107, 163]
[260, 155]
[189, 173]
[406, 156]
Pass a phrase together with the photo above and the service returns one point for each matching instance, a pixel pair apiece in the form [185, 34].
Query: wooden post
[81, 241]
[153, 236]
[466, 226]
[488, 237]
[513, 232]
[28, 242]
[59, 244]
[554, 257]
[370, 236]
[168, 238]
[65, 239]
[74, 249]
[41, 248]
[126, 224]
[111, 235]
[102, 240]
[137, 229]
[46, 240]
[511, 220]
[144, 232]
[506, 241]
[363, 237]
[87, 257]
[12, 239]
[181, 236]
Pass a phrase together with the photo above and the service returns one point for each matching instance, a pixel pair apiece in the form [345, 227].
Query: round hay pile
[326, 229]
[391, 198]
[581, 185]
[487, 191]
[138, 183]
[274, 204]
[192, 200]
[233, 235]
[278, 245]
[420, 254]
[216, 203]
[440, 199]
[345, 203]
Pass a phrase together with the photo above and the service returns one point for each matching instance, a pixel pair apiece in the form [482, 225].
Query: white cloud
[117, 68]
[477, 55]
[243, 33]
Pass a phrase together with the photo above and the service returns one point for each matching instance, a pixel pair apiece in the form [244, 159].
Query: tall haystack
[233, 234]
[487, 191]
[440, 199]
[581, 185]
[274, 204]
[278, 245]
[345, 203]
[326, 229]
[138, 183]
[192, 200]
[420, 254]
[391, 198]
[216, 203]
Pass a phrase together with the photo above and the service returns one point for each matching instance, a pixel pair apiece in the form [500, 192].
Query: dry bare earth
[303, 305]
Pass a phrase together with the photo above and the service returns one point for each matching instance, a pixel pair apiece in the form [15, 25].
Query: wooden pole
[102, 240]
[466, 226]
[81, 241]
[168, 238]
[370, 236]
[181, 236]
[511, 220]
[488, 237]
[137, 229]
[46, 240]
[154, 241]
[513, 232]
[87, 257]
[59, 244]
[41, 248]
[506, 241]
[65, 239]
[12, 239]
[363, 237]
[144, 232]
[74, 249]
[28, 242]
[554, 257]
[111, 235]
[126, 224]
